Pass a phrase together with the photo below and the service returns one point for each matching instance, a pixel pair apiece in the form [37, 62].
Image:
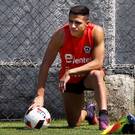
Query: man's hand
[63, 81]
[37, 102]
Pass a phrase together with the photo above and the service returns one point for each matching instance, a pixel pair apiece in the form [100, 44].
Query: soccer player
[80, 44]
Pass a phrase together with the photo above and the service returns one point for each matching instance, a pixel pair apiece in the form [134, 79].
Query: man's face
[77, 24]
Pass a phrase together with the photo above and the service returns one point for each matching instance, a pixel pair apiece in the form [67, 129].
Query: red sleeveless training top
[75, 51]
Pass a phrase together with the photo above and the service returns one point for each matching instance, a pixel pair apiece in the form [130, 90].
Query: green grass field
[57, 127]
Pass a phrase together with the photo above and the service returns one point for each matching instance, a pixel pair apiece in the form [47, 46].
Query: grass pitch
[57, 127]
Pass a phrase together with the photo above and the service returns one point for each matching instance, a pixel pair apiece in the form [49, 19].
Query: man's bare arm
[50, 55]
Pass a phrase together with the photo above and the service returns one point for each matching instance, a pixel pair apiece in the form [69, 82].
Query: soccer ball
[37, 118]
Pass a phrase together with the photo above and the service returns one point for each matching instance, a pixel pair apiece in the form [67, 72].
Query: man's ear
[88, 21]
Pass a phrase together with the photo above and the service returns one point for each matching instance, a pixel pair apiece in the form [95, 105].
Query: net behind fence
[25, 29]
[125, 31]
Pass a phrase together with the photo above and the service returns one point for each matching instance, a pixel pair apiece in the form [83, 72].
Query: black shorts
[77, 88]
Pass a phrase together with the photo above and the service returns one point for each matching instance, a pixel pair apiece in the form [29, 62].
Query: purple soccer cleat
[91, 116]
[103, 120]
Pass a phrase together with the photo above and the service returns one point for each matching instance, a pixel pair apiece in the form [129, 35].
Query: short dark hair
[79, 10]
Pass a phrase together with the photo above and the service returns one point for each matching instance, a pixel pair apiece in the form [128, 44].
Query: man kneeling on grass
[81, 47]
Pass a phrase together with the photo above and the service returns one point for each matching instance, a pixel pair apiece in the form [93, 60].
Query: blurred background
[25, 30]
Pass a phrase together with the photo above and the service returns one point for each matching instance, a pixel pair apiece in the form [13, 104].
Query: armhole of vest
[90, 35]
[65, 33]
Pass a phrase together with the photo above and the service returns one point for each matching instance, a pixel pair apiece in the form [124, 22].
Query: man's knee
[98, 74]
[73, 124]
[73, 105]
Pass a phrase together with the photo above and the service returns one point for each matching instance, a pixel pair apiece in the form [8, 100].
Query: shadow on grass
[17, 128]
[25, 128]
[60, 127]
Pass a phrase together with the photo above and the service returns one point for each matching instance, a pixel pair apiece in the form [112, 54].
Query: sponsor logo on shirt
[70, 59]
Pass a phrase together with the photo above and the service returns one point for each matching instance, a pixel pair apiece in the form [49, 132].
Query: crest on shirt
[87, 49]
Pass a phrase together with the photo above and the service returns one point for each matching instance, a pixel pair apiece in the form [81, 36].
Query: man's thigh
[73, 104]
[91, 80]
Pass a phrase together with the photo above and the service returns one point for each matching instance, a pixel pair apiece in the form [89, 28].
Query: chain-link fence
[25, 29]
[125, 31]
